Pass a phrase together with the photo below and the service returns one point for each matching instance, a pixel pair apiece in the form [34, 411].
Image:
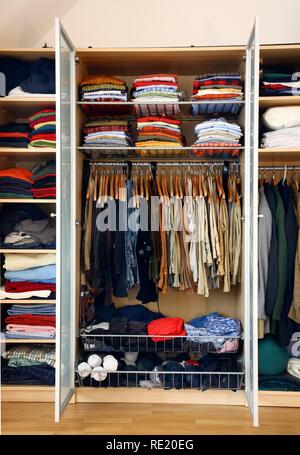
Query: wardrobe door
[65, 218]
[250, 219]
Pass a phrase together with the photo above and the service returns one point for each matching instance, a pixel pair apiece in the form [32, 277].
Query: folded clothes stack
[14, 135]
[218, 87]
[280, 82]
[219, 133]
[107, 133]
[158, 132]
[15, 183]
[43, 125]
[156, 89]
[103, 88]
[44, 181]
[29, 276]
[29, 364]
[26, 226]
[281, 126]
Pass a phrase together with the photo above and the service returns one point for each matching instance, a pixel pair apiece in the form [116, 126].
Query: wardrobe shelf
[7, 101]
[27, 341]
[155, 103]
[83, 148]
[26, 302]
[30, 251]
[272, 101]
[279, 155]
[164, 159]
[27, 153]
[28, 201]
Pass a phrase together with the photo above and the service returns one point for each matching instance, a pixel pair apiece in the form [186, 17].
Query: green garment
[42, 143]
[19, 362]
[282, 256]
[15, 196]
[41, 115]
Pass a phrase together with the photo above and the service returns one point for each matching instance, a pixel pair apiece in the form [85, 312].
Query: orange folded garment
[18, 173]
[95, 79]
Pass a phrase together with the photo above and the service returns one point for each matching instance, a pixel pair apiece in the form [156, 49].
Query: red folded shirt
[159, 119]
[148, 83]
[24, 286]
[49, 137]
[31, 319]
[166, 326]
[50, 118]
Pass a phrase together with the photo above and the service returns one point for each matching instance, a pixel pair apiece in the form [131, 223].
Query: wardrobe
[71, 66]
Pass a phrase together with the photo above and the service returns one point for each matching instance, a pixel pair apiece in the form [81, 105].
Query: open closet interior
[140, 289]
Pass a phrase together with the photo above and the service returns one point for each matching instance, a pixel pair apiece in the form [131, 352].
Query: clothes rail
[280, 168]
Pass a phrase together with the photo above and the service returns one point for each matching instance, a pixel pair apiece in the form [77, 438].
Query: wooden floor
[150, 419]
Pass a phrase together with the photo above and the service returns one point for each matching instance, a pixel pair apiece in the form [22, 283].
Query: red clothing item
[50, 118]
[194, 363]
[49, 137]
[24, 286]
[18, 173]
[14, 135]
[43, 111]
[148, 83]
[31, 319]
[236, 83]
[166, 326]
[159, 119]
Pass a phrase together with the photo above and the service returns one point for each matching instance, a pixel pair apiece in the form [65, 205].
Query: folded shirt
[25, 286]
[37, 274]
[32, 310]
[23, 295]
[19, 173]
[31, 320]
[27, 329]
[17, 261]
[284, 137]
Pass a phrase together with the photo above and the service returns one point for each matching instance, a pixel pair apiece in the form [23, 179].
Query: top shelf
[26, 100]
[272, 101]
[27, 54]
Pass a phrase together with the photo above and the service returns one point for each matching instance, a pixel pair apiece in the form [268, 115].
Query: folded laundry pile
[29, 276]
[279, 82]
[28, 323]
[28, 77]
[281, 127]
[103, 88]
[14, 135]
[44, 181]
[107, 133]
[172, 327]
[43, 129]
[26, 226]
[29, 364]
[15, 183]
[219, 133]
[217, 86]
[153, 94]
[158, 132]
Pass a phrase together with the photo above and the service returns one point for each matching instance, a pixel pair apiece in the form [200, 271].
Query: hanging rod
[280, 168]
[106, 163]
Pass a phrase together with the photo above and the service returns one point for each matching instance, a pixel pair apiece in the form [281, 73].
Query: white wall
[104, 23]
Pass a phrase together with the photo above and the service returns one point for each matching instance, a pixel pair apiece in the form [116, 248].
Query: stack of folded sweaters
[31, 322]
[26, 226]
[14, 135]
[15, 183]
[283, 127]
[279, 82]
[44, 181]
[18, 264]
[107, 133]
[29, 364]
[153, 89]
[43, 125]
[218, 87]
[158, 132]
[217, 137]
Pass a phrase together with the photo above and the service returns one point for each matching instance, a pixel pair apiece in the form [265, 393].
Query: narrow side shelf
[28, 201]
[27, 393]
[27, 301]
[27, 341]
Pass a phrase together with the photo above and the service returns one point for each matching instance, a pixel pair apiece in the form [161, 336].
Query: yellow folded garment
[19, 261]
[95, 79]
[95, 87]
[107, 123]
[157, 144]
[36, 127]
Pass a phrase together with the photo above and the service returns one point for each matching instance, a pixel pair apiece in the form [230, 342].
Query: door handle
[53, 215]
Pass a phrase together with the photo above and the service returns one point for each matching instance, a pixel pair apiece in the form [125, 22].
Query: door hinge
[77, 59]
[77, 223]
[260, 215]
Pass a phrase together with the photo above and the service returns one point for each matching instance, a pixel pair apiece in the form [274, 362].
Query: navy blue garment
[285, 327]
[193, 380]
[11, 214]
[36, 374]
[171, 381]
[272, 279]
[15, 72]
[139, 313]
[41, 77]
[15, 128]
[147, 292]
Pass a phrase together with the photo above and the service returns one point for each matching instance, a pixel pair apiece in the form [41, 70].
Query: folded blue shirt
[45, 274]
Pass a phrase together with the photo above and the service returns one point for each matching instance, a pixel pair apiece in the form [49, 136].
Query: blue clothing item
[217, 108]
[45, 274]
[21, 336]
[41, 77]
[36, 374]
[217, 325]
[32, 309]
[130, 242]
[139, 313]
